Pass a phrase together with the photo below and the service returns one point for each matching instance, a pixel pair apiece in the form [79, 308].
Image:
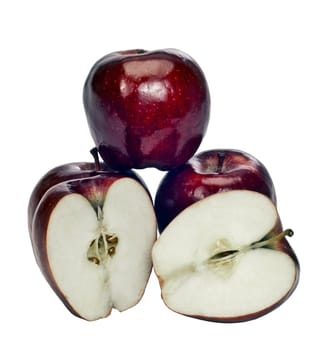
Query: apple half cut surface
[226, 259]
[92, 239]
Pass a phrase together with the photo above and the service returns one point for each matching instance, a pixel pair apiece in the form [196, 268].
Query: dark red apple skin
[207, 173]
[146, 108]
[38, 235]
[65, 172]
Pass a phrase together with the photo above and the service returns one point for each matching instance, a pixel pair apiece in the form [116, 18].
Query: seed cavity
[102, 248]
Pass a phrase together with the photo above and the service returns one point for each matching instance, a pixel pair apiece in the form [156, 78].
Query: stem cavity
[221, 158]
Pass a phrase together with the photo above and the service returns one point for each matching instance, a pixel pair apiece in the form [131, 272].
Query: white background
[258, 58]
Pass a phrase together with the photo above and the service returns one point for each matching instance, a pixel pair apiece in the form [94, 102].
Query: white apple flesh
[94, 248]
[224, 258]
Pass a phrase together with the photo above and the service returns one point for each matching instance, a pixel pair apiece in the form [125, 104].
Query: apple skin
[95, 183]
[146, 108]
[61, 173]
[207, 173]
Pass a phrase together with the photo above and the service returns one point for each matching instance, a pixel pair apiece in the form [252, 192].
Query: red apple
[92, 237]
[146, 108]
[207, 173]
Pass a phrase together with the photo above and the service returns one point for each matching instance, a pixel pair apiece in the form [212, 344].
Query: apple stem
[227, 255]
[275, 238]
[94, 153]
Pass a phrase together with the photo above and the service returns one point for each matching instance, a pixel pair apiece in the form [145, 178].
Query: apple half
[92, 239]
[226, 259]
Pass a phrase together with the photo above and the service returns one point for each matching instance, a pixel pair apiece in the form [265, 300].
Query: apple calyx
[226, 256]
[103, 247]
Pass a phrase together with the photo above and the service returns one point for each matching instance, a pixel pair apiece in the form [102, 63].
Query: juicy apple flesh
[98, 245]
[225, 258]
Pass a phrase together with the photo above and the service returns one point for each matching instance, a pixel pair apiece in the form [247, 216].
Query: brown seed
[111, 251]
[94, 260]
[112, 239]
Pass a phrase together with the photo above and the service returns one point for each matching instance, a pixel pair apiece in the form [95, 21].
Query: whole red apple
[146, 108]
[207, 173]
[92, 233]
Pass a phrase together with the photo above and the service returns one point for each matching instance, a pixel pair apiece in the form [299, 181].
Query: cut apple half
[225, 258]
[95, 248]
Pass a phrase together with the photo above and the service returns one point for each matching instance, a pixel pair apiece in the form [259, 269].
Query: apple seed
[111, 251]
[112, 239]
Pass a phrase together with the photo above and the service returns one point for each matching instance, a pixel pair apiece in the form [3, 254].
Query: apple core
[225, 256]
[103, 247]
